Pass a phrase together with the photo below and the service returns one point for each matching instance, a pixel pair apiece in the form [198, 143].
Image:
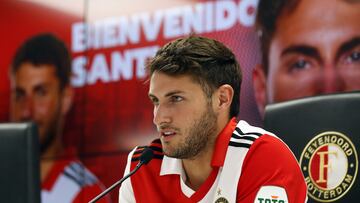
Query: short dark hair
[45, 49]
[268, 12]
[207, 61]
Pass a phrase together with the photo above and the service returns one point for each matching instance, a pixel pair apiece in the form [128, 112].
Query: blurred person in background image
[203, 154]
[41, 92]
[309, 47]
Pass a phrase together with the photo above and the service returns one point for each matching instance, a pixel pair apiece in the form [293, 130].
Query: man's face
[183, 115]
[36, 96]
[315, 50]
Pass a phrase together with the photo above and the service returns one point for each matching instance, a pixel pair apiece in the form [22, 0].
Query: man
[203, 154]
[41, 92]
[310, 47]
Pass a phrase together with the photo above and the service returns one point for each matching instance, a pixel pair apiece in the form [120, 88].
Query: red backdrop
[111, 113]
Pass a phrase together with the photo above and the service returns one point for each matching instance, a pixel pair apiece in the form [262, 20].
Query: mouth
[167, 134]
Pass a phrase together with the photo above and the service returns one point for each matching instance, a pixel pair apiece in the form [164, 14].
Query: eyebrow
[348, 45]
[169, 94]
[37, 87]
[302, 49]
[173, 92]
[41, 87]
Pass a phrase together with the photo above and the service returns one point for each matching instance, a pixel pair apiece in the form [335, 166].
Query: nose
[332, 80]
[161, 115]
[27, 109]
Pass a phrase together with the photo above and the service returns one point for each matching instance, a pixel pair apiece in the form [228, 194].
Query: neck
[198, 168]
[49, 157]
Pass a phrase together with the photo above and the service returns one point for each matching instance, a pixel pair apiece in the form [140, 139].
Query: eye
[154, 101]
[40, 92]
[19, 95]
[353, 57]
[176, 98]
[300, 64]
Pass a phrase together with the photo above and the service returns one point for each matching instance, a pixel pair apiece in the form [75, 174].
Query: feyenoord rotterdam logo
[221, 200]
[329, 163]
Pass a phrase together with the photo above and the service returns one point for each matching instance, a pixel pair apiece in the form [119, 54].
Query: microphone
[145, 157]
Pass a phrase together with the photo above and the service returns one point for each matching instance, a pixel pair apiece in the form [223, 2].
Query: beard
[51, 130]
[199, 136]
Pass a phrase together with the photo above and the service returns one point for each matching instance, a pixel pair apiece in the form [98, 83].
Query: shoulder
[262, 144]
[89, 184]
[71, 181]
[270, 162]
[131, 185]
[78, 173]
[155, 146]
[135, 154]
[69, 171]
[268, 150]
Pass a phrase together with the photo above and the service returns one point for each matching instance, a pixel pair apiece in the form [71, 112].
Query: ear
[224, 96]
[259, 83]
[67, 99]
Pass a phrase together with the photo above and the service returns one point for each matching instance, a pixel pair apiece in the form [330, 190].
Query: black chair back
[324, 134]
